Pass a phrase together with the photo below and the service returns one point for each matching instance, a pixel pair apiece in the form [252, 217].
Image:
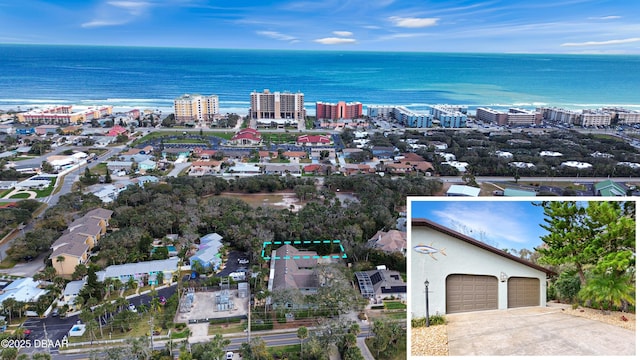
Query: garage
[523, 292]
[471, 293]
[454, 273]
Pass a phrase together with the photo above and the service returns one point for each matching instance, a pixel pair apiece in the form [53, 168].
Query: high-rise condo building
[340, 110]
[190, 108]
[278, 107]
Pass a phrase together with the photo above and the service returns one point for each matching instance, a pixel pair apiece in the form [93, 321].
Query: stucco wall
[461, 258]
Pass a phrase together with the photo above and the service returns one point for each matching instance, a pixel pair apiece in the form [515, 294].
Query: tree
[107, 177]
[46, 167]
[256, 349]
[212, 350]
[568, 237]
[60, 261]
[599, 236]
[302, 333]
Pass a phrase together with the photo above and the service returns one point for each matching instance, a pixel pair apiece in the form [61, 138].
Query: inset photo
[533, 276]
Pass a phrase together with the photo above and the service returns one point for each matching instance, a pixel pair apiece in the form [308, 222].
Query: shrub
[567, 286]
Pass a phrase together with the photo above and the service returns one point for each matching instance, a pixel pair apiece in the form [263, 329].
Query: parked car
[132, 308]
[229, 355]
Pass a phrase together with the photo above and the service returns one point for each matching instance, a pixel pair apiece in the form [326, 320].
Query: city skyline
[573, 26]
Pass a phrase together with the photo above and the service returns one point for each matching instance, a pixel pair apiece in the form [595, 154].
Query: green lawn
[20, 195]
[394, 305]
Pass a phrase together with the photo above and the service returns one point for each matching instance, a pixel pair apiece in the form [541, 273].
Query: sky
[513, 224]
[501, 26]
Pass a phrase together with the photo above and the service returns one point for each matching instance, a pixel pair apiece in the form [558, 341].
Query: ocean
[139, 77]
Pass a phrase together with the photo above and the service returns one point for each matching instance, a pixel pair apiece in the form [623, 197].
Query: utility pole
[151, 332]
[46, 337]
[249, 315]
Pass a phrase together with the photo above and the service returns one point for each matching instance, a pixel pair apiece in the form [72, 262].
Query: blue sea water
[35, 75]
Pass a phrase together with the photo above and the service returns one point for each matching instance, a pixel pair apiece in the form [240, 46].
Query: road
[54, 328]
[273, 339]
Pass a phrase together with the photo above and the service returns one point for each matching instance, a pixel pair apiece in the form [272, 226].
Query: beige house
[82, 235]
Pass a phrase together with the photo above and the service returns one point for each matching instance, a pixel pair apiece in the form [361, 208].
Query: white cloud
[479, 222]
[102, 23]
[278, 36]
[611, 17]
[601, 43]
[335, 40]
[343, 33]
[133, 7]
[411, 22]
[401, 36]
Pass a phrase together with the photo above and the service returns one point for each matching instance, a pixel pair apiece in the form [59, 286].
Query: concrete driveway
[535, 331]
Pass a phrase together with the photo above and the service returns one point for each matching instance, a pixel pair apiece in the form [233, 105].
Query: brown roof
[74, 249]
[445, 230]
[392, 240]
[412, 157]
[100, 213]
[206, 163]
[292, 271]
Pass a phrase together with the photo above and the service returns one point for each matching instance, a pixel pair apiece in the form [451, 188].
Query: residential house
[142, 180]
[143, 273]
[282, 169]
[352, 169]
[147, 165]
[208, 254]
[383, 152]
[204, 154]
[295, 156]
[25, 290]
[609, 188]
[315, 169]
[313, 140]
[293, 269]
[348, 152]
[117, 130]
[204, 167]
[409, 167]
[244, 169]
[47, 129]
[7, 129]
[463, 190]
[116, 166]
[381, 284]
[317, 153]
[70, 293]
[518, 192]
[389, 241]
[110, 192]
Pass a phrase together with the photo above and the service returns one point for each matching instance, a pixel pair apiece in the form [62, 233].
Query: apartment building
[594, 118]
[513, 117]
[64, 115]
[278, 107]
[624, 116]
[559, 115]
[450, 116]
[411, 119]
[195, 108]
[339, 110]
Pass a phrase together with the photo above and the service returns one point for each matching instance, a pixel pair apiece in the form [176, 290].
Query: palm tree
[609, 289]
[303, 333]
[59, 260]
[9, 304]
[139, 348]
